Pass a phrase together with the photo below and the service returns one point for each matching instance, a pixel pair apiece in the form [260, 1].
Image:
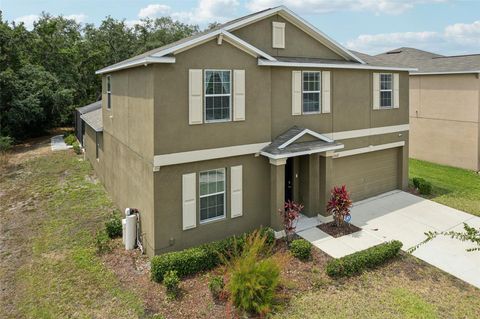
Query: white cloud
[323, 6]
[459, 38]
[153, 10]
[27, 20]
[77, 17]
[208, 11]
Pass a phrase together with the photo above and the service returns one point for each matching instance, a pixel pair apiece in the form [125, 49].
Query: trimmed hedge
[424, 187]
[357, 262]
[204, 257]
[301, 249]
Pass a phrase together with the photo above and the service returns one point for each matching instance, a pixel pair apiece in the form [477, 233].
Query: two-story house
[210, 135]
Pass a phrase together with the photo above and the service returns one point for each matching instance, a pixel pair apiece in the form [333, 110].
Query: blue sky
[371, 26]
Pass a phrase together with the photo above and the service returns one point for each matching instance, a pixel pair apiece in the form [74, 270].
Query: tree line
[46, 72]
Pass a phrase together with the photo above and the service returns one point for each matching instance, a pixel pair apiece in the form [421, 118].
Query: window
[217, 95]
[386, 86]
[311, 92]
[212, 194]
[109, 92]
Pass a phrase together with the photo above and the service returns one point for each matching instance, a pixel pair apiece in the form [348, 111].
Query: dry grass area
[51, 205]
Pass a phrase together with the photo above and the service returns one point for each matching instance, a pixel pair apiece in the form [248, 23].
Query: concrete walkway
[405, 217]
[58, 144]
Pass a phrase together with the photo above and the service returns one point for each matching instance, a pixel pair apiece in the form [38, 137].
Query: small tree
[470, 234]
[339, 205]
[290, 214]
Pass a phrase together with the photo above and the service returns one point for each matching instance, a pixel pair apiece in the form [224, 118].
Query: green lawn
[454, 187]
[51, 207]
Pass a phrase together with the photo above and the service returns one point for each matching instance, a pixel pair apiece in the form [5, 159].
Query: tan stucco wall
[172, 131]
[297, 42]
[168, 203]
[89, 145]
[444, 117]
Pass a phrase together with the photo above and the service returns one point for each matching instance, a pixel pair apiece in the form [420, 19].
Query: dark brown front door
[289, 179]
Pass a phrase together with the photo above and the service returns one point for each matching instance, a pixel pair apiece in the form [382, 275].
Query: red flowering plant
[339, 205]
[290, 214]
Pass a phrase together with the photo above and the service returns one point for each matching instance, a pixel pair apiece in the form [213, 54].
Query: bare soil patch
[333, 230]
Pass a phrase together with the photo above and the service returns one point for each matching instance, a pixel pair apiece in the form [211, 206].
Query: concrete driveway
[405, 217]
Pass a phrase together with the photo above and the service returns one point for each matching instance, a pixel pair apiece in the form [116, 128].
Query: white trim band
[263, 62]
[446, 72]
[207, 154]
[371, 148]
[368, 132]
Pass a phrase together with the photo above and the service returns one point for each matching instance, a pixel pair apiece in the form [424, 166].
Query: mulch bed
[334, 231]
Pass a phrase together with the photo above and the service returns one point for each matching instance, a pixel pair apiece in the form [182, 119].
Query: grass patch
[455, 187]
[412, 306]
[64, 277]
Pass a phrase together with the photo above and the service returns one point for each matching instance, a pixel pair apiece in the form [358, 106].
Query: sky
[447, 27]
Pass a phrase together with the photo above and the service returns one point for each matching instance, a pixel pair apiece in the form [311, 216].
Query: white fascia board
[302, 133]
[368, 149]
[206, 37]
[248, 46]
[143, 61]
[369, 132]
[446, 73]
[318, 150]
[263, 62]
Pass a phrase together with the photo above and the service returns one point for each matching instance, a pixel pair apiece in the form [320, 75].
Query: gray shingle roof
[90, 107]
[428, 62]
[310, 147]
[94, 119]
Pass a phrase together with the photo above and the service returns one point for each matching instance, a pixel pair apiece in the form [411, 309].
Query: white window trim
[319, 92]
[205, 95]
[384, 90]
[224, 216]
[109, 92]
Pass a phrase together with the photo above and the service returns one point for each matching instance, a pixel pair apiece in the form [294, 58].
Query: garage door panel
[368, 174]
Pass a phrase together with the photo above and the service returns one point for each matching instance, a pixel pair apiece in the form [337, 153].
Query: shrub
[6, 144]
[425, 188]
[339, 204]
[301, 249]
[290, 214]
[216, 286]
[70, 139]
[417, 181]
[254, 277]
[171, 282]
[113, 227]
[102, 242]
[203, 257]
[359, 261]
[76, 148]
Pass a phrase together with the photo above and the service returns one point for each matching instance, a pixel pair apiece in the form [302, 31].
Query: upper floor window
[311, 92]
[212, 194]
[386, 90]
[109, 91]
[218, 95]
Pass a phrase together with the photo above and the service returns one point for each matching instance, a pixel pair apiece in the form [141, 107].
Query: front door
[289, 179]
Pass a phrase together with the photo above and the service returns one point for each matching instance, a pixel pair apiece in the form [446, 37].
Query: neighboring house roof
[90, 107]
[432, 63]
[164, 53]
[285, 144]
[94, 119]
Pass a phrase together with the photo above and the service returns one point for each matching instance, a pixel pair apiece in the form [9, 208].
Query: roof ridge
[456, 56]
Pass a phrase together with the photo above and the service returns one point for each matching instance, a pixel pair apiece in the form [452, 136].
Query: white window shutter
[326, 99]
[278, 35]
[396, 96]
[195, 100]
[239, 95]
[376, 91]
[189, 199]
[296, 92]
[236, 189]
